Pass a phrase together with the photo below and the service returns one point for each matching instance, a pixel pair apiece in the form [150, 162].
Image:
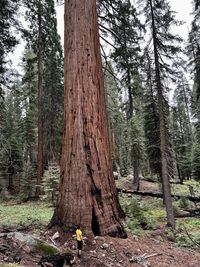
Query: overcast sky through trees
[182, 7]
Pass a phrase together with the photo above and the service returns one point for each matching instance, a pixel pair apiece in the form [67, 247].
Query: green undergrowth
[26, 214]
[145, 215]
[141, 215]
[183, 189]
[188, 232]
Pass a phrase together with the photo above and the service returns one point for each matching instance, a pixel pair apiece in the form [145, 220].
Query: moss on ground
[45, 248]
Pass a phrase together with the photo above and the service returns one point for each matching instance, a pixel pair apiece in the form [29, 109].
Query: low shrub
[185, 203]
[51, 180]
[137, 220]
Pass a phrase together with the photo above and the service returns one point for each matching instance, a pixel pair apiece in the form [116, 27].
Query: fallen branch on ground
[141, 259]
[189, 236]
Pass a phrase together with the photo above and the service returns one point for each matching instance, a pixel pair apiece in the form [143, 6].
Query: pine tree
[151, 120]
[36, 39]
[29, 123]
[11, 149]
[161, 18]
[194, 52]
[194, 47]
[125, 30]
[45, 42]
[117, 122]
[182, 129]
[29, 104]
[8, 11]
[53, 85]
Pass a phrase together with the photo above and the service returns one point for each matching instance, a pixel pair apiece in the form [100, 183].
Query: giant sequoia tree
[87, 190]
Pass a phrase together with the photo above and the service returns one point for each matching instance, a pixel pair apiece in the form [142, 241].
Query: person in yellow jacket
[79, 238]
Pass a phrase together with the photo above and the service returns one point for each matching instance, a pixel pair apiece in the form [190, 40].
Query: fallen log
[189, 213]
[156, 194]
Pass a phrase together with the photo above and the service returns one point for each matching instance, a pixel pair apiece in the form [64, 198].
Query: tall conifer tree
[161, 18]
[45, 43]
[194, 51]
[8, 10]
[87, 190]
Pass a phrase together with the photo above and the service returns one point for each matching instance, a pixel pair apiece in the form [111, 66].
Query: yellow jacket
[79, 235]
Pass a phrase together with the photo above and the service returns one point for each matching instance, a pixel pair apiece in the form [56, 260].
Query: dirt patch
[127, 184]
[107, 251]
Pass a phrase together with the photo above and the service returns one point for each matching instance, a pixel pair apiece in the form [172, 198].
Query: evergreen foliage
[193, 47]
[196, 161]
[121, 22]
[117, 121]
[194, 52]
[28, 182]
[51, 180]
[53, 85]
[182, 133]
[8, 11]
[44, 41]
[165, 49]
[11, 151]
[138, 74]
[29, 104]
[151, 120]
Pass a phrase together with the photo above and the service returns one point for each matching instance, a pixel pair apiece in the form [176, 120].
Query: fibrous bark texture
[88, 194]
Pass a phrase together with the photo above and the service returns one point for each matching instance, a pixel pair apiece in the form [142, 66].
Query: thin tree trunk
[88, 195]
[52, 141]
[188, 113]
[179, 171]
[130, 97]
[40, 164]
[163, 132]
[136, 180]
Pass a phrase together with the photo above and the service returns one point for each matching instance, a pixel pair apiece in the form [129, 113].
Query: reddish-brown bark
[88, 194]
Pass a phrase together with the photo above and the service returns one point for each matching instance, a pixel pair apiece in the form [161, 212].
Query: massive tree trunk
[88, 194]
[163, 131]
[40, 161]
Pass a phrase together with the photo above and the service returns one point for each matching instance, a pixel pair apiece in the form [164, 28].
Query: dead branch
[152, 255]
[141, 259]
[189, 236]
[52, 241]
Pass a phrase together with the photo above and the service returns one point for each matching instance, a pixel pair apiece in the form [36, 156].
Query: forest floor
[107, 251]
[153, 248]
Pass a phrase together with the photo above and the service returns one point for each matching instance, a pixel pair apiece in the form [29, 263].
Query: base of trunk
[116, 230]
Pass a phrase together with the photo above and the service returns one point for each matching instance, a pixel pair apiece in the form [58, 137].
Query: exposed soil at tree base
[108, 252]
